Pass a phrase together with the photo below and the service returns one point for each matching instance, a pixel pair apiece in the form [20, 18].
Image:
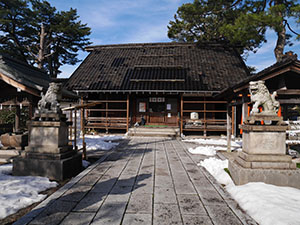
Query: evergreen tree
[35, 32]
[241, 23]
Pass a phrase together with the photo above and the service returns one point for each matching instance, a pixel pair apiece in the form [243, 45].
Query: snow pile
[216, 168]
[85, 164]
[203, 150]
[19, 192]
[210, 146]
[268, 204]
[96, 142]
[222, 142]
[265, 203]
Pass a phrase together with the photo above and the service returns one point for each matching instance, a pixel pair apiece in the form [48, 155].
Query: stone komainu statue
[260, 96]
[50, 101]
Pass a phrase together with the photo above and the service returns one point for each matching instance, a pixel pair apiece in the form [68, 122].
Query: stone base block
[53, 169]
[280, 164]
[264, 158]
[279, 177]
[48, 156]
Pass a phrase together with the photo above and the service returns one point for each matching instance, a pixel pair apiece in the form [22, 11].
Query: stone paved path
[145, 181]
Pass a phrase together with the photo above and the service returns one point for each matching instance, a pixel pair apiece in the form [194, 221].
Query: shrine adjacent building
[163, 83]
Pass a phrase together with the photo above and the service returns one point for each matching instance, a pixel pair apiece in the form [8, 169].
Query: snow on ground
[97, 142]
[265, 203]
[19, 192]
[268, 204]
[222, 142]
[203, 150]
[209, 147]
[216, 168]
[85, 164]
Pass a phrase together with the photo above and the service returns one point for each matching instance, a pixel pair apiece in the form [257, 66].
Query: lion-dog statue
[260, 96]
[50, 101]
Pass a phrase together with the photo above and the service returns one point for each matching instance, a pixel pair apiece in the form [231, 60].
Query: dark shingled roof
[289, 59]
[23, 73]
[174, 67]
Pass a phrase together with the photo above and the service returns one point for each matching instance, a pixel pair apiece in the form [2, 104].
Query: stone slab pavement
[143, 181]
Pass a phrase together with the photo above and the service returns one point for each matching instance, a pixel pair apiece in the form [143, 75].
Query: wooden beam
[228, 130]
[83, 131]
[75, 129]
[17, 118]
[19, 85]
[232, 119]
[127, 113]
[181, 113]
[214, 102]
[204, 116]
[157, 80]
[289, 92]
[289, 101]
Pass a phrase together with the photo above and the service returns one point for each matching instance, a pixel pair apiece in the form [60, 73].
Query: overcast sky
[142, 21]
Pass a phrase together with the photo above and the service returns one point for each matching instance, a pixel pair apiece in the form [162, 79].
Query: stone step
[6, 158]
[9, 153]
[153, 134]
[146, 129]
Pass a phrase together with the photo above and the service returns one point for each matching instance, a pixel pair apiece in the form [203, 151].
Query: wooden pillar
[204, 116]
[106, 115]
[127, 113]
[75, 129]
[71, 126]
[30, 108]
[228, 130]
[244, 110]
[232, 119]
[17, 118]
[181, 114]
[83, 130]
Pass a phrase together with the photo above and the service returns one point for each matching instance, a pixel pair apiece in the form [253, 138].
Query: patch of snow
[19, 192]
[204, 141]
[265, 203]
[203, 150]
[85, 164]
[216, 168]
[293, 153]
[96, 142]
[268, 204]
[292, 141]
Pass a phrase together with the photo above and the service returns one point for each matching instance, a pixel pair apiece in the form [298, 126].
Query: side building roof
[158, 67]
[21, 74]
[289, 63]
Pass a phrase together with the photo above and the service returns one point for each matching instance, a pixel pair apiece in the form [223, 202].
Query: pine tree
[35, 32]
[240, 23]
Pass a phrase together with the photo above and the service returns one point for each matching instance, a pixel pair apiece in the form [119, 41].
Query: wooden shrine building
[21, 86]
[163, 83]
[282, 77]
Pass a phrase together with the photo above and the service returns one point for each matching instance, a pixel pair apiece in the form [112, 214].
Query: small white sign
[169, 107]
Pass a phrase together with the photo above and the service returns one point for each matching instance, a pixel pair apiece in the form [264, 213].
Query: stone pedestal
[48, 153]
[263, 158]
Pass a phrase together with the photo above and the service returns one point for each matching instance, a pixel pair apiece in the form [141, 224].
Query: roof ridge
[7, 57]
[155, 44]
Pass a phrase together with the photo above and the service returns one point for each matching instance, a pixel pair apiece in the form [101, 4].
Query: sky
[143, 21]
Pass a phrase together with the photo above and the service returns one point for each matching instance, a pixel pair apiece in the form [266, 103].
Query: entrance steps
[154, 131]
[6, 156]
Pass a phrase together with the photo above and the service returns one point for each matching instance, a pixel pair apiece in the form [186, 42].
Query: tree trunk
[280, 43]
[281, 35]
[40, 59]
